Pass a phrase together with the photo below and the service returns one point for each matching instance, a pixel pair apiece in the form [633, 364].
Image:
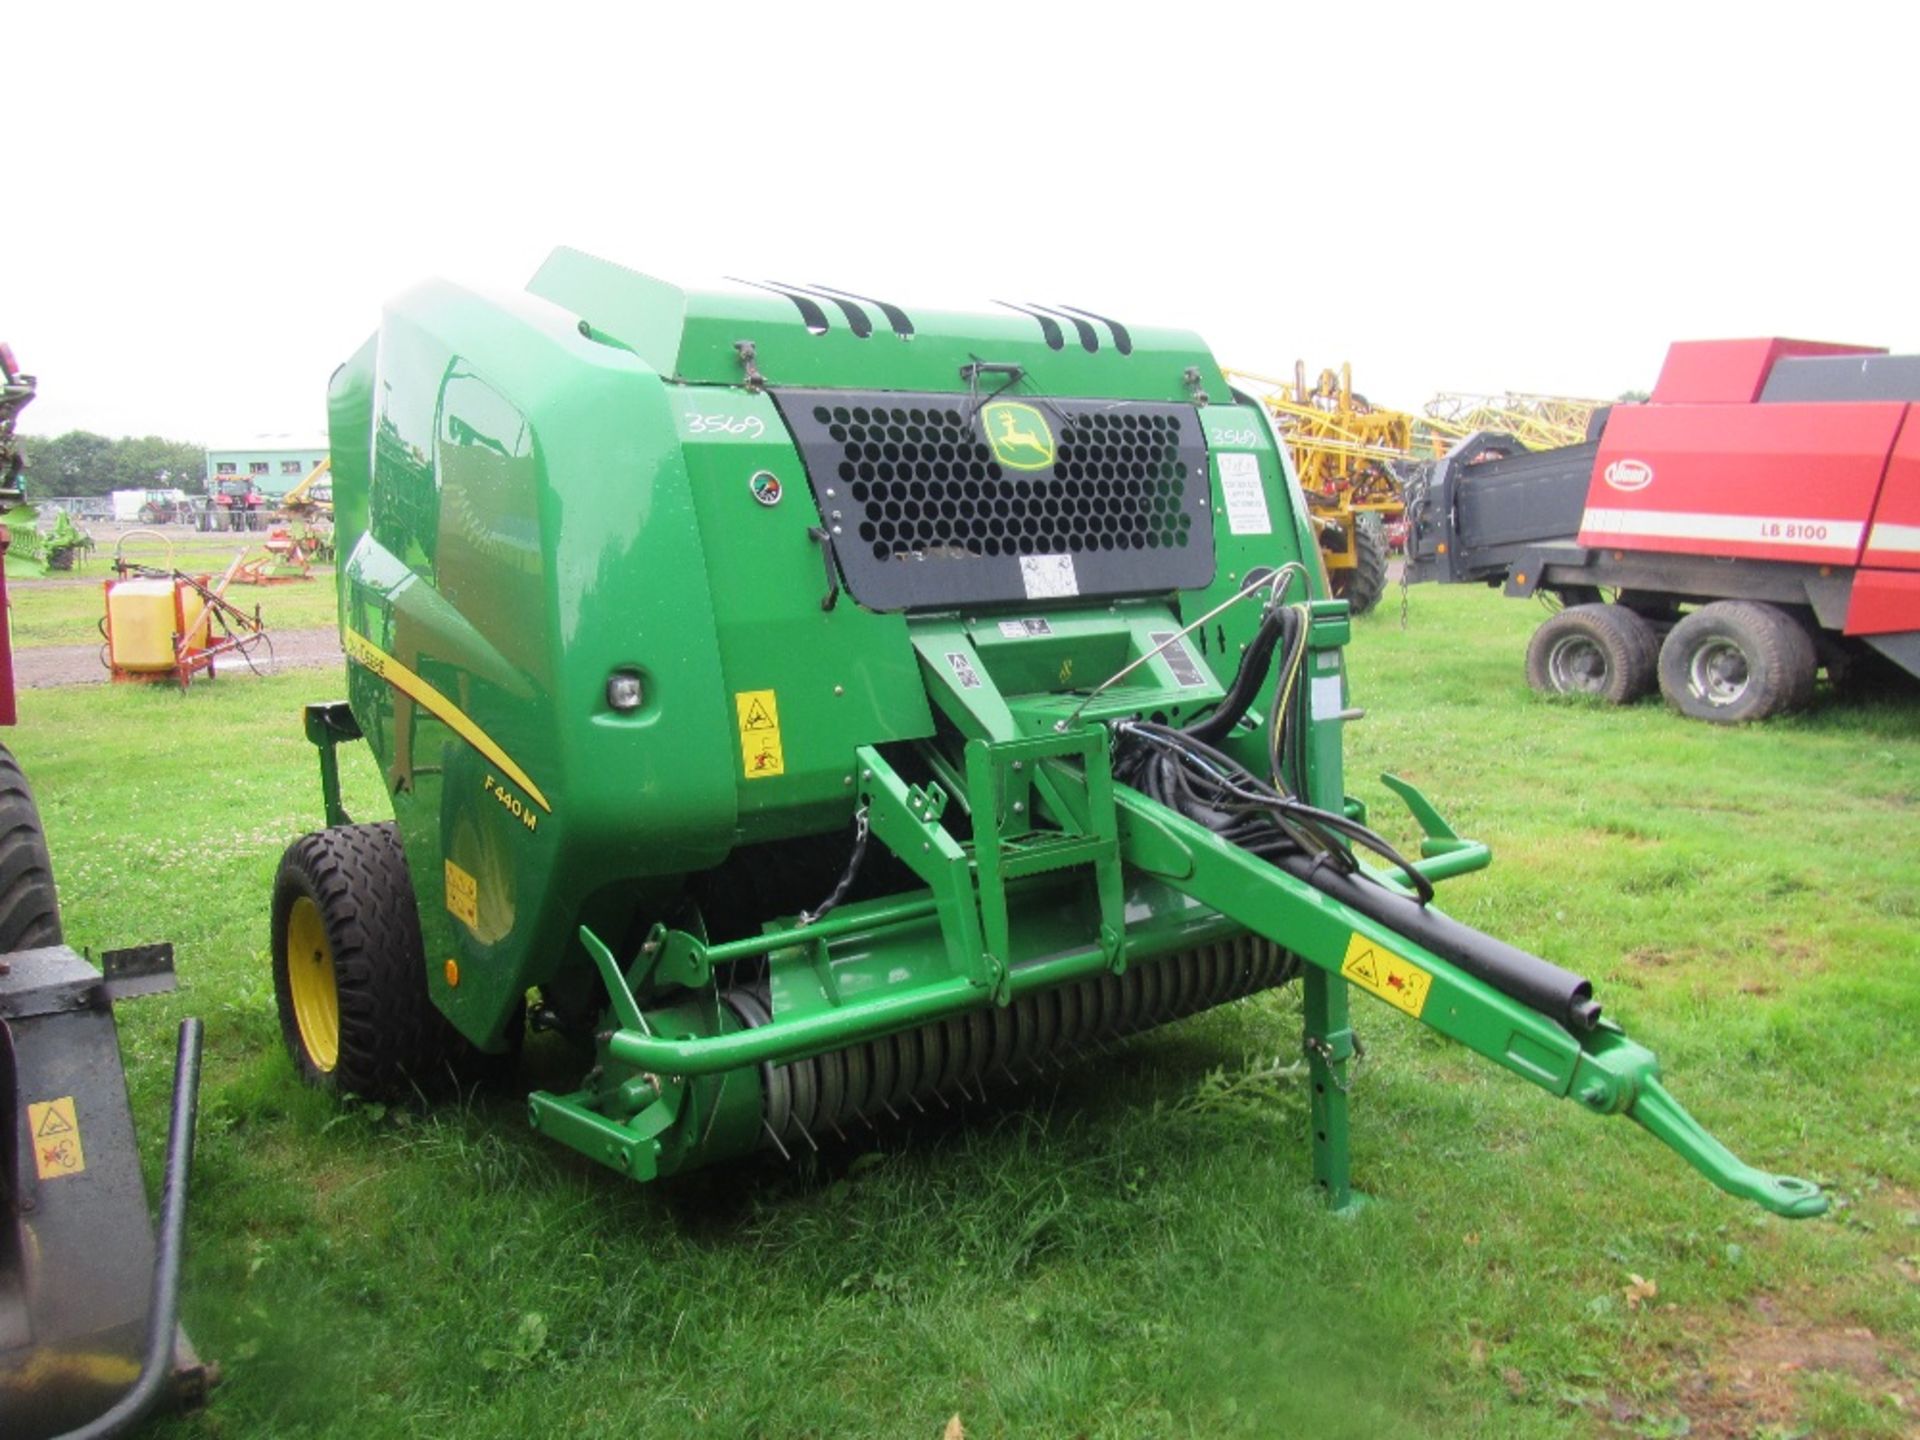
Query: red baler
[1756, 520]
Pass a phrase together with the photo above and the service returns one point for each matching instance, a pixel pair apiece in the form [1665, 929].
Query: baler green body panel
[689, 336]
[515, 552]
[526, 549]
[819, 707]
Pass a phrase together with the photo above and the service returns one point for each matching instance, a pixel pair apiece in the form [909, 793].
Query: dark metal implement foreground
[89, 1335]
[90, 1342]
[821, 709]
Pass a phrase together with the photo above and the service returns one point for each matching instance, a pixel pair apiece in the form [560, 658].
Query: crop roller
[823, 709]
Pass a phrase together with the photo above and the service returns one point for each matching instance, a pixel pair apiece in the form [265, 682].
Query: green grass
[67, 610]
[1130, 1249]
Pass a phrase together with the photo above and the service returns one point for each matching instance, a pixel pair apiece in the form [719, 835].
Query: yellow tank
[143, 616]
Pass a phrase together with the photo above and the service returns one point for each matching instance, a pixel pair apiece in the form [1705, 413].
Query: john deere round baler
[819, 707]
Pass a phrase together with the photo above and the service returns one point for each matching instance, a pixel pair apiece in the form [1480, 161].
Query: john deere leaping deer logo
[1019, 435]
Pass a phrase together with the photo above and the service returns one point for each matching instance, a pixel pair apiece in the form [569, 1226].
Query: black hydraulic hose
[1538, 984]
[1304, 841]
[164, 1313]
[1247, 680]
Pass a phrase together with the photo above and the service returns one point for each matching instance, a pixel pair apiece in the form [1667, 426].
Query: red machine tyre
[349, 969]
[1735, 661]
[29, 904]
[1602, 650]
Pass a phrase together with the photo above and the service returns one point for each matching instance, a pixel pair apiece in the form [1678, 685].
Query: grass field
[1130, 1249]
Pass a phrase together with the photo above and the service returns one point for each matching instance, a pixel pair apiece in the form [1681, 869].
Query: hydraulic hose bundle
[1182, 769]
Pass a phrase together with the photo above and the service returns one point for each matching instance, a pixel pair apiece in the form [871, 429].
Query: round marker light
[623, 691]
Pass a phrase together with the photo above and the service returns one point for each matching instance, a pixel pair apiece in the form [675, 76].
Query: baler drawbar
[818, 718]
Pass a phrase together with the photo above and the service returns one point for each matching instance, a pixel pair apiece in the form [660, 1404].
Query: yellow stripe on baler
[359, 648]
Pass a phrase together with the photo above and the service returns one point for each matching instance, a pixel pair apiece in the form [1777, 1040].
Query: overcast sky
[206, 205]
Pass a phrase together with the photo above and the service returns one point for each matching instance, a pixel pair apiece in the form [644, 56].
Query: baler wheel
[1602, 650]
[1735, 661]
[349, 969]
[29, 904]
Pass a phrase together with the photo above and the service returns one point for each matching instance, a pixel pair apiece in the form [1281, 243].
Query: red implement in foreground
[1758, 519]
[90, 1341]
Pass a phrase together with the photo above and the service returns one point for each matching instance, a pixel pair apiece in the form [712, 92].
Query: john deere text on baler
[818, 707]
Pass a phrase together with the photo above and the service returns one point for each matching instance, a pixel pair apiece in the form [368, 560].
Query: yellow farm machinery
[162, 623]
[1351, 456]
[1539, 422]
[1344, 451]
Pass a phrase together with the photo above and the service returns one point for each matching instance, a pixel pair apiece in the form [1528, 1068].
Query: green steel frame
[1100, 825]
[1045, 806]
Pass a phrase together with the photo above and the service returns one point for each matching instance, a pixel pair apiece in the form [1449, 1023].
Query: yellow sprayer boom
[1540, 422]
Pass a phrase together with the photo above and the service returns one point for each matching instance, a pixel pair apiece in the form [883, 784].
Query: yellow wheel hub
[310, 980]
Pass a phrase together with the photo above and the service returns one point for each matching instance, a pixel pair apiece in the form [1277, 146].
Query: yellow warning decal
[56, 1138]
[463, 896]
[1400, 983]
[760, 749]
[363, 650]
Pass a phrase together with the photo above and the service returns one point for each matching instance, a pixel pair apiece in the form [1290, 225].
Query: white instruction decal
[1326, 697]
[1050, 577]
[1246, 501]
[1179, 659]
[963, 670]
[1024, 629]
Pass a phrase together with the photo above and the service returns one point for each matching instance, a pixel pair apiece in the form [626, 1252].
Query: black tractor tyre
[343, 903]
[1602, 650]
[1363, 585]
[1736, 661]
[29, 903]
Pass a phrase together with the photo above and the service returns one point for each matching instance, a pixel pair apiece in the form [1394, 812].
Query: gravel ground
[81, 665]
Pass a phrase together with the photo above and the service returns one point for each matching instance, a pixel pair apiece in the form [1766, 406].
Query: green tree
[83, 463]
[153, 461]
[76, 463]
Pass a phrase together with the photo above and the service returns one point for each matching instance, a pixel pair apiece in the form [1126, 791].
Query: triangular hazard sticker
[757, 717]
[53, 1123]
[1361, 968]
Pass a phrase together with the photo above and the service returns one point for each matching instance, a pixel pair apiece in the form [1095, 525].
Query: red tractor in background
[234, 503]
[1756, 520]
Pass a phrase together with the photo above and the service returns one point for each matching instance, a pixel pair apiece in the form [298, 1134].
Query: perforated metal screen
[943, 500]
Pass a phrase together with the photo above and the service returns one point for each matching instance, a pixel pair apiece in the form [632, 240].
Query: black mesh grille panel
[940, 500]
